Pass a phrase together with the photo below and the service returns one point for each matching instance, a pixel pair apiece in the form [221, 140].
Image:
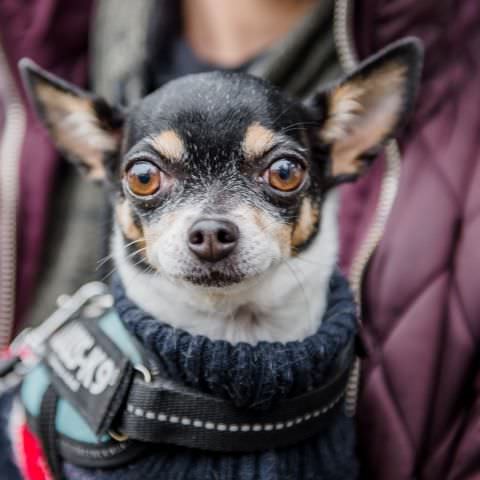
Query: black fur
[211, 113]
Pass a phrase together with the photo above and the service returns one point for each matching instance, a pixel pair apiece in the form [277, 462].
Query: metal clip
[33, 340]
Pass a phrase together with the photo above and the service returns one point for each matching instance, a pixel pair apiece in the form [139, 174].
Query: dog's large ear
[366, 108]
[83, 126]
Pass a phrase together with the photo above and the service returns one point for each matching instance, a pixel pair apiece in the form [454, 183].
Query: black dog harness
[97, 398]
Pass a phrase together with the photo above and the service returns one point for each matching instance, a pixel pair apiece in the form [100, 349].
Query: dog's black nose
[212, 239]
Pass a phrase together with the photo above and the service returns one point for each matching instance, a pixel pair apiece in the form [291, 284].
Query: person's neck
[228, 33]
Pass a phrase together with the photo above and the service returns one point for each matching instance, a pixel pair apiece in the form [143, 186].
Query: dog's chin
[220, 281]
[224, 276]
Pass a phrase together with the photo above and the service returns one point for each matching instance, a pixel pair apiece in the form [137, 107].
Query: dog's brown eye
[285, 175]
[144, 178]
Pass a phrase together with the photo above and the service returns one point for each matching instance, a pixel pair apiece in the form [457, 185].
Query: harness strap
[98, 411]
[167, 412]
[48, 434]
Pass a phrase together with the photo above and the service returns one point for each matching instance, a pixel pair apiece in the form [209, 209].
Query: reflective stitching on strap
[223, 427]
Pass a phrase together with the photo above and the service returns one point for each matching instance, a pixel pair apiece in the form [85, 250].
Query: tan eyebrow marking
[169, 144]
[306, 224]
[125, 220]
[257, 141]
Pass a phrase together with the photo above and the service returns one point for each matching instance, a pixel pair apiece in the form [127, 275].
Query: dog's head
[216, 178]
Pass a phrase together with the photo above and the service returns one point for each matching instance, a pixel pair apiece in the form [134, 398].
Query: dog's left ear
[83, 126]
[367, 108]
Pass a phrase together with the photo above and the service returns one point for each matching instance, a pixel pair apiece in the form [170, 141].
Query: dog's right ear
[367, 108]
[83, 126]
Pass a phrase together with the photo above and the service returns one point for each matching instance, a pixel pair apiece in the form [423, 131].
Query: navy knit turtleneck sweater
[251, 377]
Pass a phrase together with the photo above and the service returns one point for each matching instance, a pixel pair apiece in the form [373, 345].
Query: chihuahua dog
[223, 187]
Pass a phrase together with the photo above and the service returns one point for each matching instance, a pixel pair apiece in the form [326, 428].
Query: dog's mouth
[214, 279]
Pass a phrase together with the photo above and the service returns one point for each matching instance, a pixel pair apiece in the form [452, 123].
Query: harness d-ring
[118, 437]
[147, 377]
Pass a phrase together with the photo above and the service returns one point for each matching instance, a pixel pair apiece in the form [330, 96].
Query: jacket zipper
[11, 142]
[343, 16]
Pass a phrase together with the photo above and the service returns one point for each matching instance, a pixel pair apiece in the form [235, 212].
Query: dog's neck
[285, 304]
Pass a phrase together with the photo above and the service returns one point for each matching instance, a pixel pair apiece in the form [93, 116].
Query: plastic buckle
[92, 297]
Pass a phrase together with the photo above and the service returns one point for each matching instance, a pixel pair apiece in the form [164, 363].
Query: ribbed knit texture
[251, 377]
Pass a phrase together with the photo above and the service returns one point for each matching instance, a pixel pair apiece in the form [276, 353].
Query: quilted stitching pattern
[421, 296]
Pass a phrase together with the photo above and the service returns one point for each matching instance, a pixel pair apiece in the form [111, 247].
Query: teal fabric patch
[111, 324]
[33, 388]
[72, 425]
[68, 421]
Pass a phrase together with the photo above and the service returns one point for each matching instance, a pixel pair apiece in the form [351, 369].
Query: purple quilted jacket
[419, 410]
